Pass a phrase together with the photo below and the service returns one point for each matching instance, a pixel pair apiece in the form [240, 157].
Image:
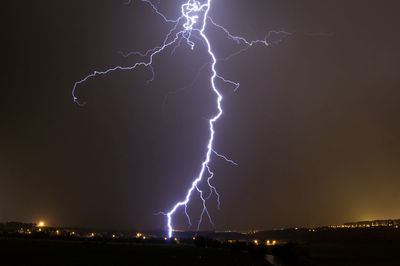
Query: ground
[342, 254]
[57, 252]
[14, 251]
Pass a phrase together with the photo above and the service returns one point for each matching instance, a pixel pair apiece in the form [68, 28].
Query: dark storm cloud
[314, 126]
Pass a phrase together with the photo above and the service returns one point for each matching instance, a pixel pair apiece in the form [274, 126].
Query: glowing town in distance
[190, 28]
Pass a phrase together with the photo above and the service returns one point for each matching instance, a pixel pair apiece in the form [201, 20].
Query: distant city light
[41, 224]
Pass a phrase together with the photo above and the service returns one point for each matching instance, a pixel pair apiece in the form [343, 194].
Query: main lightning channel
[205, 163]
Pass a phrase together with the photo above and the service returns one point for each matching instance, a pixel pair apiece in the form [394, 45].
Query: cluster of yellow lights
[21, 231]
[140, 235]
[175, 239]
[365, 225]
[256, 242]
[353, 226]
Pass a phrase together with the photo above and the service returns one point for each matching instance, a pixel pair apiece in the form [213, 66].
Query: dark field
[355, 254]
[60, 252]
[57, 252]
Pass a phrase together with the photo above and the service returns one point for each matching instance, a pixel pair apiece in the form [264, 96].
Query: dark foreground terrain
[59, 252]
[23, 251]
[351, 254]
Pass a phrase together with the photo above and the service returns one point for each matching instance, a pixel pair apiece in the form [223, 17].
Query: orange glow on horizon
[41, 224]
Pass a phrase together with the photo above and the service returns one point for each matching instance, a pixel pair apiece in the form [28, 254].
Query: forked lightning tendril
[190, 28]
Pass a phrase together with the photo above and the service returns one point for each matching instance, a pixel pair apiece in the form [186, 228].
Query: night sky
[315, 125]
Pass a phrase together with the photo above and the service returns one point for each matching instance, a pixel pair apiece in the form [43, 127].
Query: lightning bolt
[190, 28]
